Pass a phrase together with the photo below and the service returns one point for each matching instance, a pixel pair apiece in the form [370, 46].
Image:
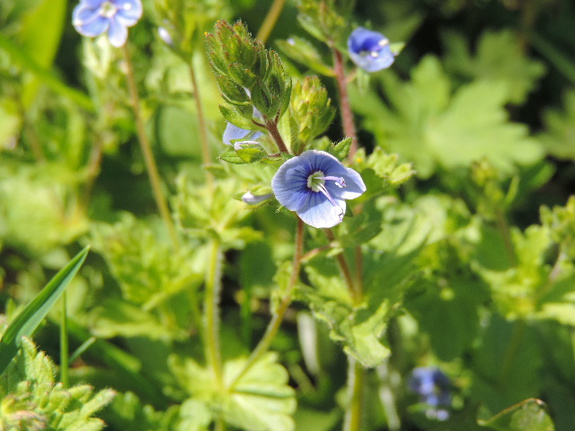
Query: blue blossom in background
[370, 50]
[234, 135]
[94, 17]
[432, 386]
[316, 185]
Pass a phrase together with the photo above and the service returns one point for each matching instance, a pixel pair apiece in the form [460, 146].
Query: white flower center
[108, 10]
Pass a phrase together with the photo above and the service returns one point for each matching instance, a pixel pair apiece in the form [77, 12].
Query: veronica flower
[316, 185]
[93, 17]
[370, 50]
[432, 386]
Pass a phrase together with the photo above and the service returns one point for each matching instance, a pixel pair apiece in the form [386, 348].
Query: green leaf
[121, 318]
[260, 400]
[499, 57]
[428, 123]
[341, 148]
[251, 153]
[560, 129]
[529, 415]
[42, 45]
[28, 320]
[32, 400]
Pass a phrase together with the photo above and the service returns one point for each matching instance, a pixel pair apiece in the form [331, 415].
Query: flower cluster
[315, 185]
[370, 50]
[94, 17]
[432, 386]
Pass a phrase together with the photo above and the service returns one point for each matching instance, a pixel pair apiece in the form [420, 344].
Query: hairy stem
[206, 156]
[149, 159]
[274, 325]
[270, 20]
[272, 127]
[344, 106]
[211, 311]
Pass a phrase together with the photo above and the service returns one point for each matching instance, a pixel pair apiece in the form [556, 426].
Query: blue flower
[370, 50]
[93, 17]
[315, 185]
[234, 135]
[433, 388]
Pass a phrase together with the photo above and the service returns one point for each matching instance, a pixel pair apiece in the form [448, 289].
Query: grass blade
[28, 320]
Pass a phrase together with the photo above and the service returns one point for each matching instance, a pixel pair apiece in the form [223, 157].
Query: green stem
[64, 350]
[355, 381]
[270, 20]
[149, 159]
[211, 311]
[345, 108]
[206, 156]
[274, 325]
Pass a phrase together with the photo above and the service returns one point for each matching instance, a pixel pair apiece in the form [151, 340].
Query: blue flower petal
[234, 133]
[88, 22]
[129, 11]
[117, 33]
[370, 50]
[320, 213]
[92, 4]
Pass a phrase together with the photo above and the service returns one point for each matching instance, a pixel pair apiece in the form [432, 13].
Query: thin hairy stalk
[344, 106]
[345, 270]
[274, 325]
[356, 374]
[272, 127]
[206, 156]
[212, 312]
[270, 20]
[149, 159]
[64, 350]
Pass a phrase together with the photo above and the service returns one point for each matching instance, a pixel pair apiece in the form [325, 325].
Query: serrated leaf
[28, 320]
[260, 400]
[499, 57]
[426, 122]
[341, 148]
[251, 153]
[559, 135]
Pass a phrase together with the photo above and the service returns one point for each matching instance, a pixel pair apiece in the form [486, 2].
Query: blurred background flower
[370, 50]
[94, 17]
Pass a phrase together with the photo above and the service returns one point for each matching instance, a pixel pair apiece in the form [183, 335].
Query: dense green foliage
[202, 307]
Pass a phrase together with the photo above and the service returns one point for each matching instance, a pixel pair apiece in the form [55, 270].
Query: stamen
[322, 189]
[339, 181]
